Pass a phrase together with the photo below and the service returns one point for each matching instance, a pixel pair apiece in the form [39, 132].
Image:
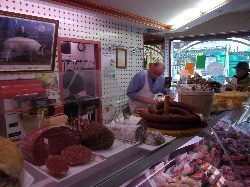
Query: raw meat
[57, 165]
[244, 170]
[77, 155]
[199, 175]
[47, 140]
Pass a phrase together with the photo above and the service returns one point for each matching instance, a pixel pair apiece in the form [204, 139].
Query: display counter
[122, 167]
[121, 161]
[229, 131]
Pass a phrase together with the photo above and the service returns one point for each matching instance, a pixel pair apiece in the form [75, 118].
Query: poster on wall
[27, 43]
[121, 58]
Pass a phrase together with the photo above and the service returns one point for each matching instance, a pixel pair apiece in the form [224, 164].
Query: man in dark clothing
[242, 73]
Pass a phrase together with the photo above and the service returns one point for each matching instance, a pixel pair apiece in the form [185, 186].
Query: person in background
[22, 33]
[242, 74]
[72, 84]
[144, 85]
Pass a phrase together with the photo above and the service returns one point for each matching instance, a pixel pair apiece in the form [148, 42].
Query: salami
[77, 155]
[96, 137]
[175, 126]
[175, 118]
[172, 110]
[180, 117]
[183, 106]
[57, 165]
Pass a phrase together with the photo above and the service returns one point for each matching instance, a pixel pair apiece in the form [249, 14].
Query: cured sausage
[178, 110]
[97, 137]
[173, 126]
[180, 117]
[57, 165]
[183, 106]
[77, 155]
[173, 110]
[176, 118]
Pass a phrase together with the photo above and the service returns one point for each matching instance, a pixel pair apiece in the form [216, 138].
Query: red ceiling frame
[103, 9]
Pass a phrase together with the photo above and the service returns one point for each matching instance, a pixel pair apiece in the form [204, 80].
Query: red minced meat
[77, 155]
[57, 165]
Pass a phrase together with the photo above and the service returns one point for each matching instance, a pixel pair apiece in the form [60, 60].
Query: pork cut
[47, 140]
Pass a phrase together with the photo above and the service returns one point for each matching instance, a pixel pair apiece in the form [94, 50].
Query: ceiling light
[202, 8]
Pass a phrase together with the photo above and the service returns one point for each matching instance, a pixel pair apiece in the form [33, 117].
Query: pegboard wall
[82, 24]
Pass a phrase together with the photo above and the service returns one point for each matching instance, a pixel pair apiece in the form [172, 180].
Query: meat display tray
[72, 170]
[26, 179]
[117, 147]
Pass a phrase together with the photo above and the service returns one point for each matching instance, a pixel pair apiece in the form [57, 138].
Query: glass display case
[40, 103]
[217, 157]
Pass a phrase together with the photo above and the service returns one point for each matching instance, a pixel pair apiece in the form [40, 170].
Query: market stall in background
[213, 57]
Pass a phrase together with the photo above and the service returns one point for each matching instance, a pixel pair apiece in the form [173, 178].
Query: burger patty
[57, 165]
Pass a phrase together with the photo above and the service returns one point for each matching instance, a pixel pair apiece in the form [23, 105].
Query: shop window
[221, 52]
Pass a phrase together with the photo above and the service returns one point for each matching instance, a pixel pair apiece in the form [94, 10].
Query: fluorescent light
[203, 7]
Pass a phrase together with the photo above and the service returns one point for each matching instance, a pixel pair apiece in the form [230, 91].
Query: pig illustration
[22, 45]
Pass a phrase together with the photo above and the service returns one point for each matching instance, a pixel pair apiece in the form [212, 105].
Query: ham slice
[48, 140]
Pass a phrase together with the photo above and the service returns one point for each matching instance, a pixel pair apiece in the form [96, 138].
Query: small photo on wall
[121, 58]
[27, 43]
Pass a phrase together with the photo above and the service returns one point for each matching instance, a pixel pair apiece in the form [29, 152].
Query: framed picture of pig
[27, 43]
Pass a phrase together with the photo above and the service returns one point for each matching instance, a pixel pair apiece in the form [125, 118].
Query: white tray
[26, 179]
[117, 147]
[151, 147]
[72, 170]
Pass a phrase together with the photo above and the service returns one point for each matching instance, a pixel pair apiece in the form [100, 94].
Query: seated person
[242, 74]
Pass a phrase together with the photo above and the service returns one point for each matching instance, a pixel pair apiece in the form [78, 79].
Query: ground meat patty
[77, 155]
[57, 165]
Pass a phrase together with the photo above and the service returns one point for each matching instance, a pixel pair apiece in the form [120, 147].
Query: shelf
[79, 101]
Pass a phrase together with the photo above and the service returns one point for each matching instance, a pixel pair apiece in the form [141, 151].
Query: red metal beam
[103, 9]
